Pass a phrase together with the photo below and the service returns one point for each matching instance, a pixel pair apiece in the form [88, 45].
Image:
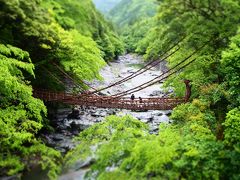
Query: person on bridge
[132, 97]
[140, 100]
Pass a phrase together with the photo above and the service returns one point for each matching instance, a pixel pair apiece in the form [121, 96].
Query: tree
[21, 117]
[125, 149]
[230, 64]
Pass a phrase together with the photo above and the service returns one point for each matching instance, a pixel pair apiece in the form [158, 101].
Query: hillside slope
[127, 12]
[134, 18]
[105, 5]
[84, 17]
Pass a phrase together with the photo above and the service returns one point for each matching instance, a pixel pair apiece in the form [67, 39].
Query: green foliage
[124, 149]
[190, 111]
[82, 52]
[128, 12]
[231, 67]
[196, 112]
[232, 128]
[200, 154]
[231, 140]
[53, 28]
[224, 153]
[86, 20]
[212, 23]
[109, 130]
[133, 19]
[134, 34]
[21, 117]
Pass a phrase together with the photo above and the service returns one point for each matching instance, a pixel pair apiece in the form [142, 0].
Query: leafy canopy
[21, 117]
[123, 149]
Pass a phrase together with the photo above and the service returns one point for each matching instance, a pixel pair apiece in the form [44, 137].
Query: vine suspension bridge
[91, 98]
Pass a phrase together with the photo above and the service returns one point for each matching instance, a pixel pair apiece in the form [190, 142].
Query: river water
[123, 67]
[69, 123]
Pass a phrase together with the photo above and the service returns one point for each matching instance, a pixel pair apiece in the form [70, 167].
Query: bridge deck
[109, 101]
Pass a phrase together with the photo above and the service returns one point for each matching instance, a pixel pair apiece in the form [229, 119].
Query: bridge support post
[188, 90]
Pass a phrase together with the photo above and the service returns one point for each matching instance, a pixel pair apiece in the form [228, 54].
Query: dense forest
[203, 142]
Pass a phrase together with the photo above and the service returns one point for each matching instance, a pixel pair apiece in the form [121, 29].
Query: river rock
[74, 126]
[157, 93]
[95, 114]
[16, 177]
[58, 137]
[81, 113]
[157, 113]
[154, 75]
[75, 175]
[60, 117]
[75, 114]
[83, 163]
[66, 145]
[168, 113]
[153, 129]
[83, 126]
[143, 115]
[97, 120]
[61, 150]
[101, 94]
[111, 112]
[130, 71]
[99, 114]
[63, 111]
[61, 126]
[110, 169]
[144, 120]
[161, 119]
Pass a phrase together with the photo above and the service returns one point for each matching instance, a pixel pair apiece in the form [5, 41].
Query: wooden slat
[110, 102]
